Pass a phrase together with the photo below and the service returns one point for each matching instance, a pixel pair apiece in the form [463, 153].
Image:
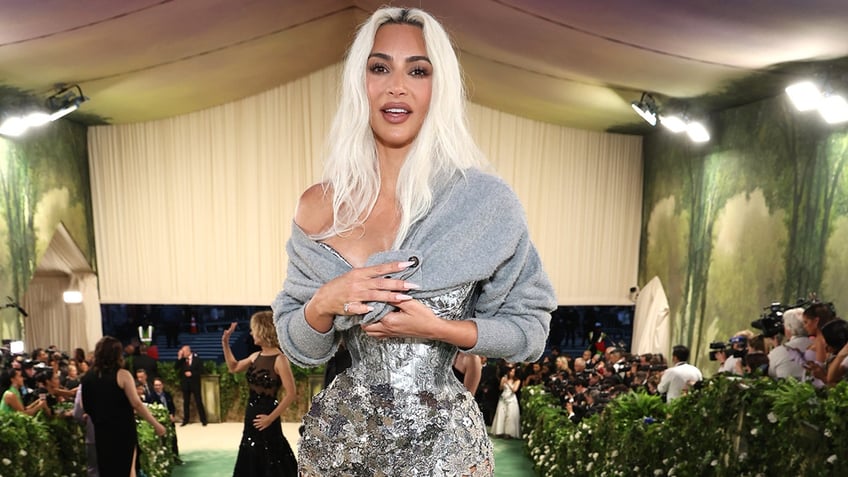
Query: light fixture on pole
[646, 108]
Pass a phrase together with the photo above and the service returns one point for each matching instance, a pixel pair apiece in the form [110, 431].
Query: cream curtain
[197, 209]
[51, 321]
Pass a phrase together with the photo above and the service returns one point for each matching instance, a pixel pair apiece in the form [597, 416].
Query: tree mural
[756, 210]
[43, 180]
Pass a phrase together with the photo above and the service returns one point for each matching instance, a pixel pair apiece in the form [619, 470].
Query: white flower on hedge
[23, 453]
[614, 453]
[754, 431]
[772, 417]
[828, 433]
[589, 467]
[743, 456]
[714, 462]
[658, 472]
[594, 455]
[831, 459]
[6, 461]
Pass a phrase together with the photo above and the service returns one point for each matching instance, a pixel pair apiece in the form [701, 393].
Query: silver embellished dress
[399, 410]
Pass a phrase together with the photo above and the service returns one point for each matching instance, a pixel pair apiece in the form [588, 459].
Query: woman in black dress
[263, 451]
[109, 398]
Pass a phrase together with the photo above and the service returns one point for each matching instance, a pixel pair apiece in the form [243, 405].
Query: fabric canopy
[652, 323]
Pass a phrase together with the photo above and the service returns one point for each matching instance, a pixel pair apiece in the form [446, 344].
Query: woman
[109, 398]
[507, 421]
[10, 389]
[407, 251]
[263, 451]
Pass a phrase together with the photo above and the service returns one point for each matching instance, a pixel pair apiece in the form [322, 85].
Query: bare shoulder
[314, 212]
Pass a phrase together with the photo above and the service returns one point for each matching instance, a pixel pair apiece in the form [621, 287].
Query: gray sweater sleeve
[513, 312]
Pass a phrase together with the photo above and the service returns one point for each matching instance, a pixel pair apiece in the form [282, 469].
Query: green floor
[510, 461]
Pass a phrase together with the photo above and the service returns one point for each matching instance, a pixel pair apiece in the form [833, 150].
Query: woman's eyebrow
[409, 59]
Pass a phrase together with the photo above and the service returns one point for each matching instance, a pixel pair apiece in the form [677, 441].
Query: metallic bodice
[407, 363]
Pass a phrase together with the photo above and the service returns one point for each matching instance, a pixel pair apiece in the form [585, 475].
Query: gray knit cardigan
[475, 232]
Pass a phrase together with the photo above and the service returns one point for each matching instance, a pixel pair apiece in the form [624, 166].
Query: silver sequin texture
[399, 410]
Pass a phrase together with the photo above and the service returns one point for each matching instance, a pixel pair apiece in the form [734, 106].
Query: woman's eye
[419, 71]
[378, 68]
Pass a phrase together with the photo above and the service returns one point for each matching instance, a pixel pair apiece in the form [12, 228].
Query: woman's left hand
[262, 421]
[411, 319]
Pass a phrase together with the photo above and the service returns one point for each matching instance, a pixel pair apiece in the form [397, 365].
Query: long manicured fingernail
[411, 286]
[404, 265]
[402, 297]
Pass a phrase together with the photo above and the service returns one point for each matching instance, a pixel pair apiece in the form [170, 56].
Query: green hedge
[729, 427]
[55, 446]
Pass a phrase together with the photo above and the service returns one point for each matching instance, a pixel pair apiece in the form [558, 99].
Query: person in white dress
[507, 421]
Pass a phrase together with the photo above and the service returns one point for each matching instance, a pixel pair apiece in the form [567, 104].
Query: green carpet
[510, 461]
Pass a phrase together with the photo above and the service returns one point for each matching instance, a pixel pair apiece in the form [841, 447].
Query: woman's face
[811, 325]
[399, 81]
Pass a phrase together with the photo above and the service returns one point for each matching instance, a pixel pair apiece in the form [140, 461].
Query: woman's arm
[836, 371]
[283, 369]
[15, 403]
[473, 372]
[233, 365]
[515, 384]
[126, 382]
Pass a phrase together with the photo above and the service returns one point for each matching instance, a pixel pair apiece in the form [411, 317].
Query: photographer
[787, 360]
[731, 356]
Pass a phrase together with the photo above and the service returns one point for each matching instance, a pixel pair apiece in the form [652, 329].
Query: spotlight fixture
[65, 101]
[646, 108]
[808, 96]
[697, 132]
[673, 123]
[805, 95]
[834, 109]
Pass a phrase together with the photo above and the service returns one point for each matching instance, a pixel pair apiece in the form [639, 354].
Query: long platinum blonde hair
[442, 147]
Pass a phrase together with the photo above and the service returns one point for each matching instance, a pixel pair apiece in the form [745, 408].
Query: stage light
[72, 296]
[65, 101]
[805, 95]
[646, 108]
[673, 123]
[834, 109]
[697, 132]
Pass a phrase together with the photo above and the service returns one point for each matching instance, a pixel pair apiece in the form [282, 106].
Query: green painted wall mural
[44, 180]
[758, 215]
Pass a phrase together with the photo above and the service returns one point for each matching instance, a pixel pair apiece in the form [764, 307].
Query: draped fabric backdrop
[196, 209]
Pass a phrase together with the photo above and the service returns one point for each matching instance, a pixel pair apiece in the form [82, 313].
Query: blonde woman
[263, 450]
[407, 251]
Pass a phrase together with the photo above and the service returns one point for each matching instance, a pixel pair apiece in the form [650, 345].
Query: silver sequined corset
[399, 410]
[411, 364]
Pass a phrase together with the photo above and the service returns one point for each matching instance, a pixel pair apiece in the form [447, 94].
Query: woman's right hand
[159, 429]
[348, 294]
[225, 338]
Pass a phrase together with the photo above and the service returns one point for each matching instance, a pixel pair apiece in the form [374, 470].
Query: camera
[736, 346]
[771, 321]
[716, 346]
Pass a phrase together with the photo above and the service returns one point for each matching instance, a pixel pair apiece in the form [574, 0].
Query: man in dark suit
[160, 396]
[189, 367]
[142, 360]
[147, 389]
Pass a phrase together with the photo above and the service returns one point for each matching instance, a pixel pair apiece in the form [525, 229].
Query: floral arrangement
[156, 455]
[729, 426]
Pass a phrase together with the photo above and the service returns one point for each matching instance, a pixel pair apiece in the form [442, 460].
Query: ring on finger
[346, 307]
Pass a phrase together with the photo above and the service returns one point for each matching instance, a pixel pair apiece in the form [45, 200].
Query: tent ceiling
[567, 62]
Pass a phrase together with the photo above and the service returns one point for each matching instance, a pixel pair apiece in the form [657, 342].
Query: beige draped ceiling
[197, 209]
